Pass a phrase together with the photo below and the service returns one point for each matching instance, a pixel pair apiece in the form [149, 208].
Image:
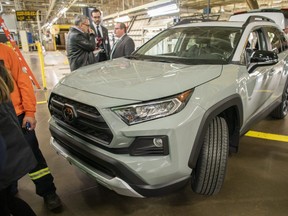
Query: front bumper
[108, 171]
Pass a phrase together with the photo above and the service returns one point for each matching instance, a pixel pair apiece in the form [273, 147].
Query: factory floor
[256, 182]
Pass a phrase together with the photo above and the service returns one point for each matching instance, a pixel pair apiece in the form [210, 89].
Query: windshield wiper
[132, 57]
[159, 60]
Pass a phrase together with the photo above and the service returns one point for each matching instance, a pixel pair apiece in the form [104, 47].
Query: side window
[255, 41]
[274, 36]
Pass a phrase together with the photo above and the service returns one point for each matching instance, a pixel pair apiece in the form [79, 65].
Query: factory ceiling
[50, 8]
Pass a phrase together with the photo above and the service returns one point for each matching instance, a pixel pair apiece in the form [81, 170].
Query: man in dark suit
[102, 39]
[125, 45]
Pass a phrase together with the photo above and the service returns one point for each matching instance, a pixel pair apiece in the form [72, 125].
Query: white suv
[149, 123]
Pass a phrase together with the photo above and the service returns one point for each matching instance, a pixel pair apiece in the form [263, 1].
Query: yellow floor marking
[269, 136]
[41, 102]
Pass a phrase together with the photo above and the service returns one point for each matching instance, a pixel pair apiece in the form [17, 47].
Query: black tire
[209, 174]
[281, 111]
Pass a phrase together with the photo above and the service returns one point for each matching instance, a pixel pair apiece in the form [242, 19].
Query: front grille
[85, 120]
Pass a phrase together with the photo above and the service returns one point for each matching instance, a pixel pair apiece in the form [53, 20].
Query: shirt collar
[95, 26]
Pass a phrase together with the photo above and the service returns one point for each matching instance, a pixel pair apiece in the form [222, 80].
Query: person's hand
[98, 42]
[32, 122]
[91, 31]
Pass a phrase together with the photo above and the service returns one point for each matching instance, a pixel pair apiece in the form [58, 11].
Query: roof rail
[255, 18]
[198, 18]
[186, 21]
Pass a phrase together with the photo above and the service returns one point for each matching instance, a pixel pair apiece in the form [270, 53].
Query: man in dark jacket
[102, 38]
[80, 43]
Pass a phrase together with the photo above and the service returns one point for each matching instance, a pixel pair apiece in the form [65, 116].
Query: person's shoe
[52, 201]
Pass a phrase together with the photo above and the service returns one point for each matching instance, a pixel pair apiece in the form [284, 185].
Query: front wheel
[209, 173]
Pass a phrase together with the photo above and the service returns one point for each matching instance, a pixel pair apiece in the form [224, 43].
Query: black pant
[40, 175]
[9, 204]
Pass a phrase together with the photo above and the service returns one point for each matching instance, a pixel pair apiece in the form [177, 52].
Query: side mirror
[262, 58]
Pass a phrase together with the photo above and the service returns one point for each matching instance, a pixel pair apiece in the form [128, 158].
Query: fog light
[158, 142]
[150, 145]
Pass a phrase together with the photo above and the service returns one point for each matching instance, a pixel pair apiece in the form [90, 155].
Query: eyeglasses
[96, 17]
[85, 24]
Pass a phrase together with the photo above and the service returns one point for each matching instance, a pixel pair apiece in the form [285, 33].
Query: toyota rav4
[169, 114]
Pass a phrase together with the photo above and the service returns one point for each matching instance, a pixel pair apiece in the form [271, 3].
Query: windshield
[191, 45]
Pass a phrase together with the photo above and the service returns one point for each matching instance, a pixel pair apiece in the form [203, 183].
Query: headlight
[138, 113]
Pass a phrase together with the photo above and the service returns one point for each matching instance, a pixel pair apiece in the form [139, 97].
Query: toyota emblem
[69, 114]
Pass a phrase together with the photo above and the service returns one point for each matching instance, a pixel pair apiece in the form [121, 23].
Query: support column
[253, 4]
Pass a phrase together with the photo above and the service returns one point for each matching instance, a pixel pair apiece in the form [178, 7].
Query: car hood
[139, 80]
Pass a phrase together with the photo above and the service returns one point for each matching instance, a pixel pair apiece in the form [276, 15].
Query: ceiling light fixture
[81, 5]
[122, 19]
[164, 10]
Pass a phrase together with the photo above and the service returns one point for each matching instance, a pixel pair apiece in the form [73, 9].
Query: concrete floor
[255, 184]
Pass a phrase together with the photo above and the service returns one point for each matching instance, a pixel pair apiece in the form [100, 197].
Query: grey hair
[80, 19]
